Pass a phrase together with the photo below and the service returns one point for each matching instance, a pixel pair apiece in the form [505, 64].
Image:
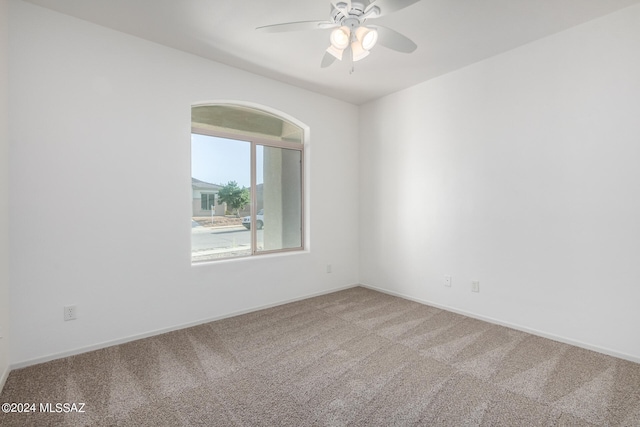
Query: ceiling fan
[350, 33]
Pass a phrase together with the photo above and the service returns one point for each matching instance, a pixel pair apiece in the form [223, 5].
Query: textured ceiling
[450, 34]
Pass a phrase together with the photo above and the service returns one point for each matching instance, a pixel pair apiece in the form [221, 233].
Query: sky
[218, 160]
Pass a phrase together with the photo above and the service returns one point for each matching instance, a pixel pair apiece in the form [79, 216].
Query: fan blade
[297, 26]
[394, 40]
[327, 60]
[388, 6]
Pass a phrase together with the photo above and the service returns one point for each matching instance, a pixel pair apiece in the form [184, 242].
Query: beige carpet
[355, 357]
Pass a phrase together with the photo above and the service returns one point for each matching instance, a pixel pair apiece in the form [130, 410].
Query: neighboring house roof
[196, 184]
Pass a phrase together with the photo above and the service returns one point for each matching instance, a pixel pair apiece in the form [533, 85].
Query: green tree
[235, 197]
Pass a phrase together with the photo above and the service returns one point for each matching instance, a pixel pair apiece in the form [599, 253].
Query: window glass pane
[220, 180]
[279, 198]
[207, 201]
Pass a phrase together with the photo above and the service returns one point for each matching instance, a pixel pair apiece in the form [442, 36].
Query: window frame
[254, 141]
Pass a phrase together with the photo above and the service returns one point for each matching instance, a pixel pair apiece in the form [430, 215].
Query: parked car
[246, 221]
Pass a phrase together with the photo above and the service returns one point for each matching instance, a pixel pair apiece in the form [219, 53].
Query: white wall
[4, 197]
[522, 172]
[97, 115]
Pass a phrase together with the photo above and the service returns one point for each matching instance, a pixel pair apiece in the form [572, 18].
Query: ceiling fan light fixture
[368, 37]
[340, 38]
[337, 53]
[358, 51]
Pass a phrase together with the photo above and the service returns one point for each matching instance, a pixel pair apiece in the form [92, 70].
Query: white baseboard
[3, 378]
[532, 331]
[130, 338]
[105, 344]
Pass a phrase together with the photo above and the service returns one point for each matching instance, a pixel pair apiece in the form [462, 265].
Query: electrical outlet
[70, 312]
[329, 269]
[447, 281]
[475, 286]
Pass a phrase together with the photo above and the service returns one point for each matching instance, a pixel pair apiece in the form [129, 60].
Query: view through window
[247, 183]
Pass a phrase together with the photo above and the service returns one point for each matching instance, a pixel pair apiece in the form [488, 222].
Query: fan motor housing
[343, 16]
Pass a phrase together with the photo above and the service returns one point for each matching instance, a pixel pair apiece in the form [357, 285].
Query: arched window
[247, 182]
